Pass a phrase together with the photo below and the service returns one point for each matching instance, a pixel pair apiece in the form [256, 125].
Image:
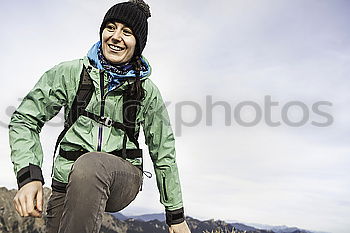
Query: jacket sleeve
[42, 103]
[161, 144]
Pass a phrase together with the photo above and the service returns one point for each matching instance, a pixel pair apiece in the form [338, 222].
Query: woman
[107, 95]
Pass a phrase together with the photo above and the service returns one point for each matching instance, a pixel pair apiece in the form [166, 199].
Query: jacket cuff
[174, 216]
[28, 174]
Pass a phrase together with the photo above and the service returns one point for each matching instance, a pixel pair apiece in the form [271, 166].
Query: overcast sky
[239, 52]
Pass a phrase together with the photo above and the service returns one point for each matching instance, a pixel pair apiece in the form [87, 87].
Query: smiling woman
[107, 96]
[118, 43]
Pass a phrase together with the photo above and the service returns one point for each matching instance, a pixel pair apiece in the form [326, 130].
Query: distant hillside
[10, 221]
[280, 229]
[145, 217]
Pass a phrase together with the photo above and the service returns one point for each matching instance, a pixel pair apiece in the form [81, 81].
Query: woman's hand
[25, 197]
[179, 228]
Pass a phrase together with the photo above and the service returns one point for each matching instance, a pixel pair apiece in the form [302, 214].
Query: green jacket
[56, 89]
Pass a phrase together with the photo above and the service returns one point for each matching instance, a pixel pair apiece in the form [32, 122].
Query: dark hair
[133, 97]
[136, 92]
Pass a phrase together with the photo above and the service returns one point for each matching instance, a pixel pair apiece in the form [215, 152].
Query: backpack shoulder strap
[81, 100]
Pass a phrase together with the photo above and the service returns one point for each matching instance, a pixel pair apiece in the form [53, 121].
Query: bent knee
[86, 165]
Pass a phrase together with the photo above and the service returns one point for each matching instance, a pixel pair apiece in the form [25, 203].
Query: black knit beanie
[134, 14]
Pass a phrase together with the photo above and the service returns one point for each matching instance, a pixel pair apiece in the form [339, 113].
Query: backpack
[81, 100]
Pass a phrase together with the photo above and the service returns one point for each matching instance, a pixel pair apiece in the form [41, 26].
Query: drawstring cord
[147, 174]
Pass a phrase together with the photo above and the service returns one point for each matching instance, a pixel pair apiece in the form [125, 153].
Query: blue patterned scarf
[117, 74]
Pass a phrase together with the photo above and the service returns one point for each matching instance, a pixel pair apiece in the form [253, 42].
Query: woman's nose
[117, 35]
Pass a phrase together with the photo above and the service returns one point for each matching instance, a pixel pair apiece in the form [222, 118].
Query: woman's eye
[110, 28]
[127, 32]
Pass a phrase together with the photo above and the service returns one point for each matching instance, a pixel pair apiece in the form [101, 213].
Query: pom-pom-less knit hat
[134, 14]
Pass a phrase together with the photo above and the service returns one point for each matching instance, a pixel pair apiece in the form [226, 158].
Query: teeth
[116, 47]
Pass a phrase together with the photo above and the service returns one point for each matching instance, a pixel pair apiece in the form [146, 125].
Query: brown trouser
[98, 182]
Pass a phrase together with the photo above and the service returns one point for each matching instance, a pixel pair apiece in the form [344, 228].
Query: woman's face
[118, 43]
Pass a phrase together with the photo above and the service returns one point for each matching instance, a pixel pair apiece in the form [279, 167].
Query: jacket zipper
[164, 189]
[102, 112]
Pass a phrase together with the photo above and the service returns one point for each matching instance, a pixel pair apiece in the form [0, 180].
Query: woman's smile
[115, 48]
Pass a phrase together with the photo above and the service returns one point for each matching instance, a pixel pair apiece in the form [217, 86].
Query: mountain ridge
[10, 221]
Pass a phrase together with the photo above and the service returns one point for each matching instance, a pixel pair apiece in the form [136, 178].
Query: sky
[218, 64]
